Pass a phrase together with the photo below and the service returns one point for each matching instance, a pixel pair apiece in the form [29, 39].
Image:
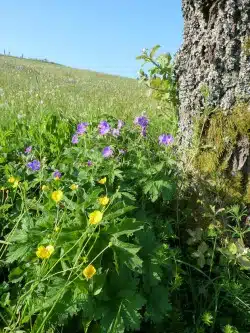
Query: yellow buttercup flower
[89, 271]
[57, 195]
[45, 252]
[74, 187]
[45, 188]
[102, 181]
[103, 201]
[12, 180]
[95, 217]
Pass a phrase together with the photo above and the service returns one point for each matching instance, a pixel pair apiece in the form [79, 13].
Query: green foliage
[161, 83]
[168, 255]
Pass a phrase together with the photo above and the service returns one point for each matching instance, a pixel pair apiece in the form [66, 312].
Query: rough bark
[213, 54]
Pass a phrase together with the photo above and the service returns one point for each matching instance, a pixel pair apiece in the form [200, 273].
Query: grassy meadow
[103, 227]
[29, 85]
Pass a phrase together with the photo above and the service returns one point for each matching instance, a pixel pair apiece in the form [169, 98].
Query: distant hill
[85, 92]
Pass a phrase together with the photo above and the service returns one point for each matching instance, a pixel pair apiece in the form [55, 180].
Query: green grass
[169, 256]
[79, 93]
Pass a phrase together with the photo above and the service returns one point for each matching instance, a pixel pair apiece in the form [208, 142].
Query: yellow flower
[89, 271]
[103, 201]
[12, 180]
[45, 188]
[102, 181]
[45, 252]
[56, 228]
[95, 217]
[74, 187]
[57, 195]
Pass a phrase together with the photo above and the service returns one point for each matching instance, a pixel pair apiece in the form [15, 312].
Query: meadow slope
[27, 85]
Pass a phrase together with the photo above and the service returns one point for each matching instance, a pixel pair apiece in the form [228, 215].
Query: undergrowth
[102, 230]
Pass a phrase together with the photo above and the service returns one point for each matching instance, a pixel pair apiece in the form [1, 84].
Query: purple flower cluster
[165, 139]
[34, 165]
[80, 130]
[28, 150]
[57, 174]
[107, 152]
[142, 121]
[104, 127]
[115, 132]
[120, 124]
[75, 139]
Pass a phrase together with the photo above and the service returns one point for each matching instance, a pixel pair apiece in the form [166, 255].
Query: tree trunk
[214, 53]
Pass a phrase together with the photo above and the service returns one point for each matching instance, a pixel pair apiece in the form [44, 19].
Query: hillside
[27, 84]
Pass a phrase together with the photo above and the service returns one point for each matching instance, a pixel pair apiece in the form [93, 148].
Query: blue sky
[101, 35]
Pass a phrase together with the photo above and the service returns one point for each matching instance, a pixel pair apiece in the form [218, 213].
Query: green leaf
[92, 197]
[154, 50]
[19, 236]
[17, 252]
[128, 195]
[118, 213]
[141, 57]
[5, 207]
[125, 227]
[168, 191]
[70, 205]
[117, 325]
[201, 261]
[202, 248]
[232, 248]
[158, 305]
[244, 262]
[126, 253]
[164, 60]
[86, 324]
[16, 275]
[98, 283]
[130, 312]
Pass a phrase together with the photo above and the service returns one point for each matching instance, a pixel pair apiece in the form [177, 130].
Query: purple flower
[115, 132]
[81, 128]
[104, 127]
[74, 139]
[120, 124]
[34, 165]
[89, 163]
[57, 174]
[165, 139]
[141, 121]
[28, 149]
[107, 152]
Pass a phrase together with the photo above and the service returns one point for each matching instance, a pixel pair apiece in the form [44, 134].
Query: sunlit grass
[28, 86]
